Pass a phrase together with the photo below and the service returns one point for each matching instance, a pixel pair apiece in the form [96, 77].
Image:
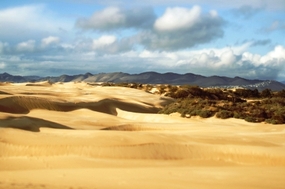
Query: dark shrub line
[248, 104]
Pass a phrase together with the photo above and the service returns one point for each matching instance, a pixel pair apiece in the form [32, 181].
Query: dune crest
[40, 84]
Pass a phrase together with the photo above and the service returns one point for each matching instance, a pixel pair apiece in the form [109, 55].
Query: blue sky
[243, 38]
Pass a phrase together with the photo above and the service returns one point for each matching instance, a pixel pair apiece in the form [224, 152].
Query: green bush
[271, 121]
[250, 119]
[205, 113]
[224, 114]
[266, 93]
[238, 115]
[194, 101]
[279, 118]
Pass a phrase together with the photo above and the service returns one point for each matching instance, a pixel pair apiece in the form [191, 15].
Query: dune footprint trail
[74, 135]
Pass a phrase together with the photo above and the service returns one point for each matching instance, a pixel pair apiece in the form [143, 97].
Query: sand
[73, 135]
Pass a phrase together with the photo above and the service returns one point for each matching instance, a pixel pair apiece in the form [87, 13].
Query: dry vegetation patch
[248, 104]
[264, 106]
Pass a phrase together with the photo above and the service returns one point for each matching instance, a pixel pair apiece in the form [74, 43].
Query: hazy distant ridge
[155, 78]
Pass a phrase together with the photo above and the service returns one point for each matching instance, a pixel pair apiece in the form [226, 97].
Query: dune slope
[110, 137]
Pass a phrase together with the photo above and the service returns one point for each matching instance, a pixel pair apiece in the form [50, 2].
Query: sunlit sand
[73, 135]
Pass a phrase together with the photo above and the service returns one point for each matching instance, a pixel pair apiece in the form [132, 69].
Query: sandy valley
[77, 136]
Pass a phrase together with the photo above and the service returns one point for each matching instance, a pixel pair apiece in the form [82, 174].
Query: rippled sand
[74, 135]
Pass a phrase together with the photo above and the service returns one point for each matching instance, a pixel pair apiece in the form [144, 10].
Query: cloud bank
[35, 40]
[177, 28]
[268, 4]
[114, 18]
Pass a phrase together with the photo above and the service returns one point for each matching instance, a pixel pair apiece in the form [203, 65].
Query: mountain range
[154, 78]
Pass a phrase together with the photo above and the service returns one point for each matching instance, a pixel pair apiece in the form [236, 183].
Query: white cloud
[27, 46]
[114, 18]
[49, 41]
[228, 61]
[178, 18]
[2, 65]
[227, 58]
[108, 18]
[136, 38]
[45, 45]
[278, 54]
[103, 41]
[213, 13]
[31, 21]
[274, 59]
[181, 28]
[253, 58]
[18, 15]
[104, 45]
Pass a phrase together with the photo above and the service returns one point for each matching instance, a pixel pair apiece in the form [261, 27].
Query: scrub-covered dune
[74, 135]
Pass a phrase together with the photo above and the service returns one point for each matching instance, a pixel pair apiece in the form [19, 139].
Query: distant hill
[5, 77]
[154, 78]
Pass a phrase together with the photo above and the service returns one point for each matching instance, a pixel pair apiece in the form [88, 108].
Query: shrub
[250, 119]
[238, 115]
[247, 93]
[279, 118]
[205, 113]
[193, 101]
[162, 89]
[171, 90]
[224, 114]
[271, 121]
[180, 93]
[281, 94]
[266, 93]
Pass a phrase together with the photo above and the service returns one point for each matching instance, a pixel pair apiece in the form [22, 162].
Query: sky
[244, 38]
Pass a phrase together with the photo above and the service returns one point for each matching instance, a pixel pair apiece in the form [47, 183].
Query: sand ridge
[73, 135]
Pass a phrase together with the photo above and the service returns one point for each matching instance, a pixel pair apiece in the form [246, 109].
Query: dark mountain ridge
[154, 78]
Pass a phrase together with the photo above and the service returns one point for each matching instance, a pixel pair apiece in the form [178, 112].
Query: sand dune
[23, 105]
[138, 146]
[40, 84]
[110, 137]
[29, 123]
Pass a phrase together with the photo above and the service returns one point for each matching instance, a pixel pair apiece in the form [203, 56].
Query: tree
[266, 93]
